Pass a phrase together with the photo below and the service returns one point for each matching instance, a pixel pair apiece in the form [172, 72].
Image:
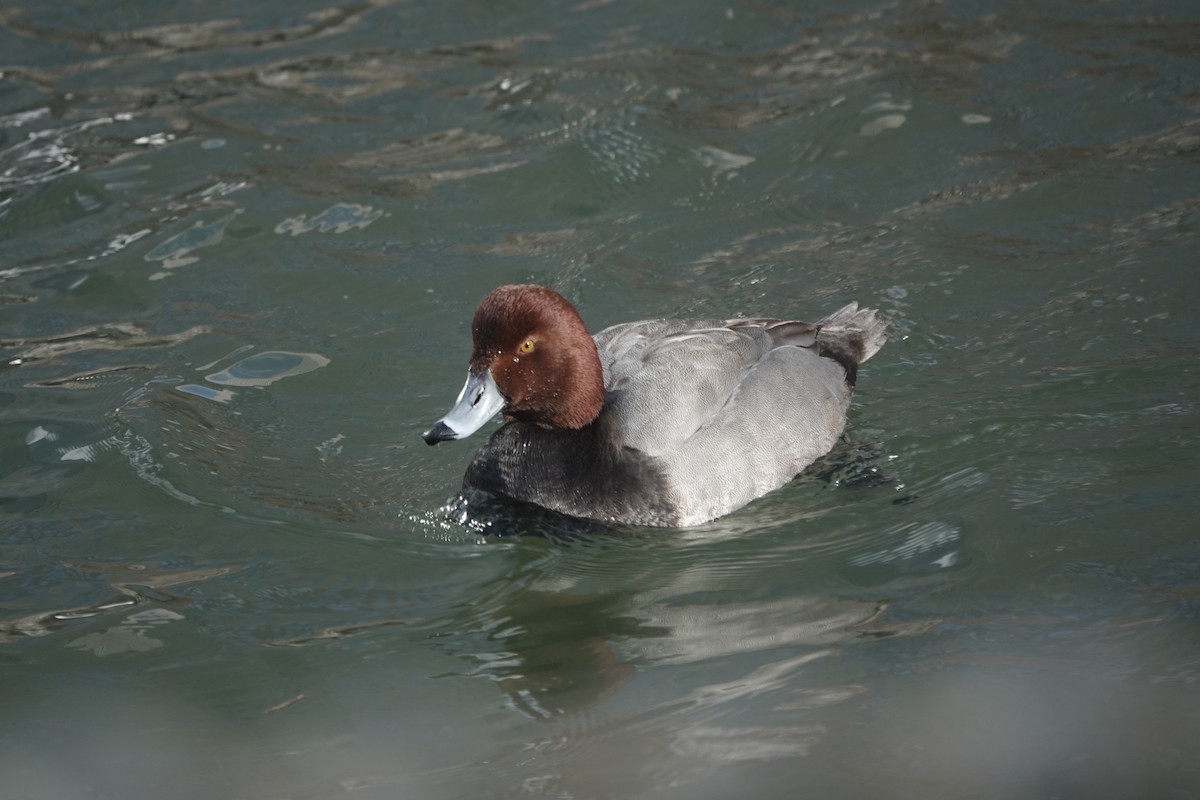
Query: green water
[240, 245]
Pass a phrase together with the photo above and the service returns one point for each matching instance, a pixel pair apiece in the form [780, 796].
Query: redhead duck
[662, 422]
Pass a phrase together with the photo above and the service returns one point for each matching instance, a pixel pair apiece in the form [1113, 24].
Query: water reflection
[923, 547]
[177, 250]
[338, 218]
[46, 154]
[263, 369]
[557, 652]
[150, 42]
[140, 584]
[113, 336]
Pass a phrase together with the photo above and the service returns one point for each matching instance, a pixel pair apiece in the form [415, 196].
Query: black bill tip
[440, 432]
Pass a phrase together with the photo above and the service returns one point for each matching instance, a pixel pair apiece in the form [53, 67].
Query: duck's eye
[526, 346]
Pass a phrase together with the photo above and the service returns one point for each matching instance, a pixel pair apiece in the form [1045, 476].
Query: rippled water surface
[240, 245]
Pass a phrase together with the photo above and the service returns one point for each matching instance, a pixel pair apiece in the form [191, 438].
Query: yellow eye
[526, 346]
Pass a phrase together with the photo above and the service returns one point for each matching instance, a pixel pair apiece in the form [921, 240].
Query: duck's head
[533, 359]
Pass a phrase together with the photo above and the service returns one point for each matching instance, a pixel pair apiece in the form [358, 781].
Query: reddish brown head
[540, 356]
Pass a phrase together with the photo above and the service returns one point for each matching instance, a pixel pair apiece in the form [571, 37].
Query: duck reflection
[550, 652]
[554, 652]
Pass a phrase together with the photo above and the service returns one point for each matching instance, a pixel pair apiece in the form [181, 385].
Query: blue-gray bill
[479, 401]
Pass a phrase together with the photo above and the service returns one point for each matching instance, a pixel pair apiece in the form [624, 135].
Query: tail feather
[852, 335]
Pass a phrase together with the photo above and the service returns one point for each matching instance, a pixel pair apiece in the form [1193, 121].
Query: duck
[661, 422]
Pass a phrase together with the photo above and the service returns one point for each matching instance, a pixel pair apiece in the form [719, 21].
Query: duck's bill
[478, 402]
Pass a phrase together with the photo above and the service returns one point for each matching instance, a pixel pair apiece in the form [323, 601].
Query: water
[239, 251]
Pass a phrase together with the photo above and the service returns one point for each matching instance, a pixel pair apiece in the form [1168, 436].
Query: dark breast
[583, 473]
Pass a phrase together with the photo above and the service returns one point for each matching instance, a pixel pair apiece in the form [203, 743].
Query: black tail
[851, 336]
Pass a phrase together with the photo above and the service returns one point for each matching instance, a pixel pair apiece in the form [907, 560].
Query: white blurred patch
[38, 434]
[917, 540]
[129, 636]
